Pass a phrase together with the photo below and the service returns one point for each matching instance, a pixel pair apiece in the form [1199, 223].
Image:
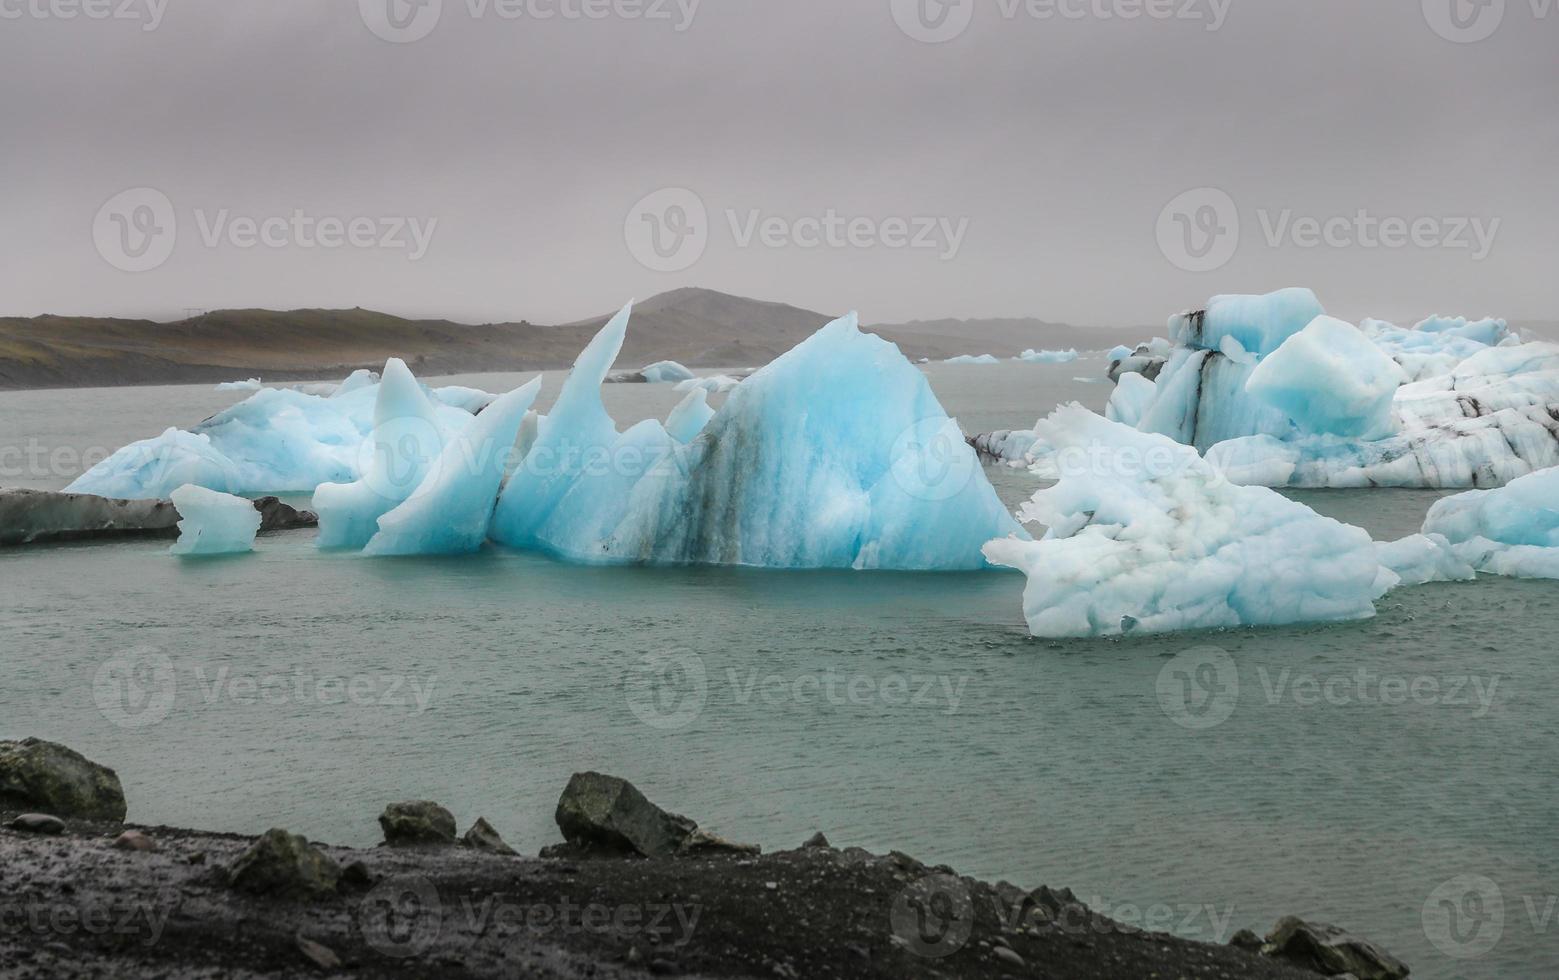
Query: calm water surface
[907, 711]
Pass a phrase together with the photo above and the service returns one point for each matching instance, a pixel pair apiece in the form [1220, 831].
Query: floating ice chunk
[407, 439]
[451, 509]
[1513, 530]
[664, 371]
[212, 523]
[472, 400]
[1048, 356]
[1119, 353]
[253, 384]
[717, 384]
[357, 380]
[980, 359]
[1132, 395]
[690, 416]
[1421, 558]
[835, 455]
[578, 432]
[1145, 536]
[1330, 379]
[153, 468]
[1259, 323]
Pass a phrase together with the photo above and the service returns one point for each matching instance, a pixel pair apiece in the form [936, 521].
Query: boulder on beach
[284, 865]
[38, 823]
[603, 811]
[47, 776]
[482, 837]
[1330, 950]
[417, 823]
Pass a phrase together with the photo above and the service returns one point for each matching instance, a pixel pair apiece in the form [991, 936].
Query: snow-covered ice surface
[212, 523]
[450, 510]
[835, 455]
[1420, 558]
[1512, 530]
[1146, 536]
[1274, 399]
[984, 360]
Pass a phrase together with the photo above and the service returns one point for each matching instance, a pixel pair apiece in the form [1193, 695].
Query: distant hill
[699, 327]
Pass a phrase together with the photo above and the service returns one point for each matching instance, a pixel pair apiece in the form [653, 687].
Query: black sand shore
[75, 906]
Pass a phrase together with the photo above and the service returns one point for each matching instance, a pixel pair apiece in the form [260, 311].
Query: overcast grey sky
[909, 158]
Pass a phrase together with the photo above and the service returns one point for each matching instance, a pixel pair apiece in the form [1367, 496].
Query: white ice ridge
[835, 455]
[212, 523]
[983, 360]
[1278, 400]
[1145, 536]
[1048, 356]
[664, 371]
[1513, 530]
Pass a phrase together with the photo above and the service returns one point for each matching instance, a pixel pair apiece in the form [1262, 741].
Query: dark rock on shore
[38, 823]
[417, 823]
[1329, 950]
[606, 812]
[35, 516]
[483, 837]
[286, 866]
[47, 776]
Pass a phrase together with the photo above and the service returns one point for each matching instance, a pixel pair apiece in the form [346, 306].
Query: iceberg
[1329, 379]
[835, 455]
[253, 384]
[664, 371]
[212, 523]
[1259, 324]
[1421, 558]
[717, 384]
[279, 440]
[980, 359]
[690, 416]
[1143, 535]
[1512, 530]
[1273, 399]
[1047, 356]
[407, 439]
[450, 510]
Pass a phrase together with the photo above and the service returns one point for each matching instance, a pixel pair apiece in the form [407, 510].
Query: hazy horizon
[480, 161]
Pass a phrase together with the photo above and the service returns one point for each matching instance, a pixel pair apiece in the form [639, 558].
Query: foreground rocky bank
[632, 891]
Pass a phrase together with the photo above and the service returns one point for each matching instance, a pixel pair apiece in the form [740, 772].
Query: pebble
[134, 840]
[1008, 956]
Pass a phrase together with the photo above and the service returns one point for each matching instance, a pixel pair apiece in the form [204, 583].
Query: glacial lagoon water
[1398, 776]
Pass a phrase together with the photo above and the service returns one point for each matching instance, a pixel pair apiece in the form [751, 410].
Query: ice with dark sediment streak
[835, 455]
